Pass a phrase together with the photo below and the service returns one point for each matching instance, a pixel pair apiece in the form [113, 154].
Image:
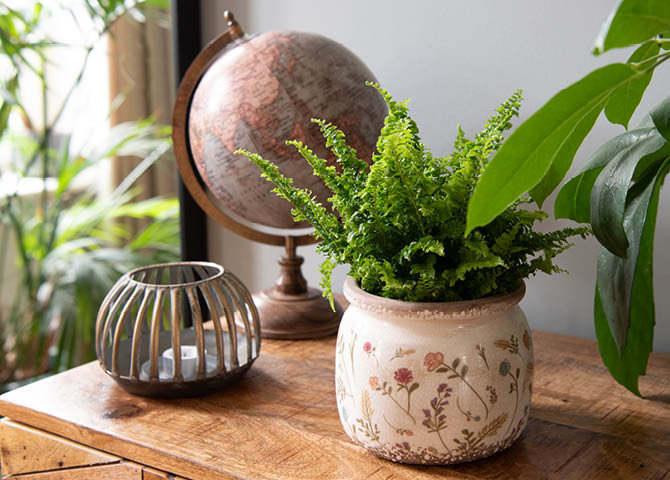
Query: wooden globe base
[291, 310]
[296, 316]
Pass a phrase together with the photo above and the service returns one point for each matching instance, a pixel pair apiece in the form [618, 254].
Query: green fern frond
[400, 221]
[346, 155]
[326, 225]
[326, 270]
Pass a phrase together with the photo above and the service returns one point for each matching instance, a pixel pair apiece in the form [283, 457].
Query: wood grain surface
[116, 471]
[28, 450]
[153, 474]
[280, 421]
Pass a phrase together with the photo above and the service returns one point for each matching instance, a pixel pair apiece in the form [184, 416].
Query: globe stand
[292, 310]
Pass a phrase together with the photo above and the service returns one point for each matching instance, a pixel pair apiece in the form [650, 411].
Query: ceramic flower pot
[433, 383]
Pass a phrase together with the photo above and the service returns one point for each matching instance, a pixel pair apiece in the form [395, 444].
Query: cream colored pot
[433, 383]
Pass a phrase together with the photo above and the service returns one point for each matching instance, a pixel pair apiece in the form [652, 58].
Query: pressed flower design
[467, 413]
[493, 395]
[365, 424]
[352, 346]
[435, 419]
[343, 387]
[512, 345]
[482, 354]
[530, 366]
[472, 440]
[401, 352]
[399, 430]
[505, 369]
[344, 381]
[434, 361]
[370, 350]
[403, 376]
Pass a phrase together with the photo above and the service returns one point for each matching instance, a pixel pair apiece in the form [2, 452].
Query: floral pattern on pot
[434, 388]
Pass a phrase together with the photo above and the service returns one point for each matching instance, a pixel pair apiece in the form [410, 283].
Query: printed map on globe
[263, 91]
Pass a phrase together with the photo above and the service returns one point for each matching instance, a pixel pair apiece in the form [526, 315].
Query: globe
[263, 90]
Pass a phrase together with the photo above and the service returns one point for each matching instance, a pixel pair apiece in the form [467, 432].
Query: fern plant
[400, 220]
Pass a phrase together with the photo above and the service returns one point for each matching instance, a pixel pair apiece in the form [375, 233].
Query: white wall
[457, 61]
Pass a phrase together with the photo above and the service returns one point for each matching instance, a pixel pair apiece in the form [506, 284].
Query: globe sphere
[264, 90]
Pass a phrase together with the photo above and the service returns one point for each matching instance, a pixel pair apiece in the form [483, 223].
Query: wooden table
[280, 421]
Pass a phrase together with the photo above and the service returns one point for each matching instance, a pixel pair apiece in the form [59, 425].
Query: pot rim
[458, 309]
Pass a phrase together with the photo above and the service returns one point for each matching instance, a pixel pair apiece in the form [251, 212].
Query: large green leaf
[663, 123]
[660, 115]
[625, 99]
[564, 155]
[624, 300]
[651, 161]
[633, 22]
[574, 199]
[550, 136]
[665, 36]
[608, 197]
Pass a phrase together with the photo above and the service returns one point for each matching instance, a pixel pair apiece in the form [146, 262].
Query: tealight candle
[189, 360]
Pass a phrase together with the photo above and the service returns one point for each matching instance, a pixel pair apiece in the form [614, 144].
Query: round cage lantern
[141, 325]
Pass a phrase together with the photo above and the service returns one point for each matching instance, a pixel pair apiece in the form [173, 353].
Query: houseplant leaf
[632, 22]
[625, 99]
[542, 148]
[660, 115]
[574, 199]
[624, 301]
[564, 155]
[608, 196]
[651, 161]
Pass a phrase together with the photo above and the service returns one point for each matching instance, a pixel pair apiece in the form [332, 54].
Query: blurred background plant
[62, 241]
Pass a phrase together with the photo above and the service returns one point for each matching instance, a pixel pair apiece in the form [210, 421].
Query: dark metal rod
[186, 41]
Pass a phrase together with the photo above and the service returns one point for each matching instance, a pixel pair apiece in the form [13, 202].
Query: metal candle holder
[141, 323]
